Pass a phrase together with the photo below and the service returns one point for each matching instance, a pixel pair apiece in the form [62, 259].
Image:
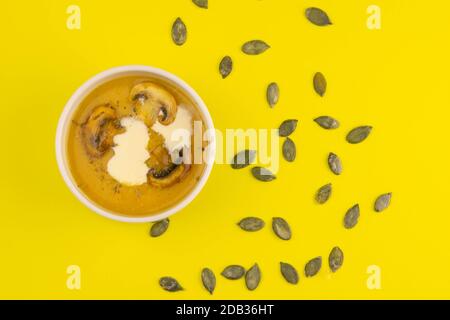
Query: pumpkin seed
[351, 217]
[233, 272]
[313, 267]
[201, 3]
[158, 228]
[243, 158]
[281, 228]
[254, 47]
[289, 150]
[263, 174]
[209, 280]
[170, 284]
[320, 84]
[289, 273]
[273, 94]
[253, 277]
[226, 66]
[251, 224]
[317, 16]
[334, 163]
[358, 134]
[287, 127]
[335, 259]
[179, 32]
[383, 202]
[327, 122]
[324, 193]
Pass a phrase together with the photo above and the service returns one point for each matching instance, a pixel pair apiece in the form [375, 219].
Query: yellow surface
[395, 79]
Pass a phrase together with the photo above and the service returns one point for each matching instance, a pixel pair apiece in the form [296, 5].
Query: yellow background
[395, 79]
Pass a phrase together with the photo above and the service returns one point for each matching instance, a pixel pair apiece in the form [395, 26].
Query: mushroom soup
[131, 146]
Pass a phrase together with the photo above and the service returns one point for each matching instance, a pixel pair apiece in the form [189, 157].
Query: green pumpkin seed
[289, 273]
[287, 127]
[273, 94]
[233, 272]
[324, 193]
[158, 228]
[335, 259]
[320, 84]
[317, 16]
[382, 202]
[351, 217]
[170, 284]
[334, 163]
[243, 158]
[358, 134]
[201, 3]
[289, 150]
[281, 228]
[179, 32]
[226, 66]
[209, 280]
[327, 122]
[263, 174]
[313, 267]
[253, 277]
[251, 224]
[255, 47]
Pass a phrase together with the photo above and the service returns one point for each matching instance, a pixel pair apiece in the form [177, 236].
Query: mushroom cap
[153, 102]
[99, 130]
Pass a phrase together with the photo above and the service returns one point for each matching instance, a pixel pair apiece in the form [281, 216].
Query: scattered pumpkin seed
[209, 280]
[254, 47]
[289, 273]
[243, 158]
[287, 127]
[170, 284]
[313, 266]
[281, 228]
[327, 122]
[317, 16]
[382, 202]
[358, 134]
[201, 3]
[159, 227]
[263, 174]
[334, 163]
[351, 217]
[253, 277]
[273, 94]
[251, 224]
[320, 84]
[233, 272]
[226, 66]
[289, 150]
[179, 32]
[324, 193]
[335, 259]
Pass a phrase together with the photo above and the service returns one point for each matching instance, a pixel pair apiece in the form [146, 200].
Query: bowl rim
[73, 102]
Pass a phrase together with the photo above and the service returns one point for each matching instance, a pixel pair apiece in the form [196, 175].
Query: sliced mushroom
[152, 102]
[162, 171]
[167, 176]
[99, 130]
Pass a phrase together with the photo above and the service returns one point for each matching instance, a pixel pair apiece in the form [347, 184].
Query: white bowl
[77, 98]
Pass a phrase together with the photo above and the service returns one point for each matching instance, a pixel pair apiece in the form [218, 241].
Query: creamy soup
[121, 147]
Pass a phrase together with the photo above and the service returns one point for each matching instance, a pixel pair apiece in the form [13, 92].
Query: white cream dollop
[127, 166]
[177, 134]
